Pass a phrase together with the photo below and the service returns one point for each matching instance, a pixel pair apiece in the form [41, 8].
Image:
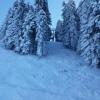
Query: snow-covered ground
[62, 75]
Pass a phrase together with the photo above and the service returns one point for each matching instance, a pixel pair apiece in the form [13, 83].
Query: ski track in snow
[62, 75]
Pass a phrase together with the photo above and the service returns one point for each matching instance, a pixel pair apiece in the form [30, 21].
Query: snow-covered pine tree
[65, 15]
[20, 14]
[28, 44]
[83, 15]
[5, 24]
[70, 25]
[9, 32]
[41, 29]
[43, 4]
[73, 24]
[95, 33]
[58, 31]
[14, 30]
[89, 42]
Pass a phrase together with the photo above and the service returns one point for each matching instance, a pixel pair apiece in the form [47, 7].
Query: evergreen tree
[83, 15]
[42, 26]
[43, 4]
[70, 25]
[65, 15]
[5, 24]
[20, 15]
[29, 33]
[58, 31]
[89, 42]
[9, 31]
[14, 30]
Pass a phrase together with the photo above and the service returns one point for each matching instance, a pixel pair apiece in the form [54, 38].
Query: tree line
[80, 29]
[26, 29]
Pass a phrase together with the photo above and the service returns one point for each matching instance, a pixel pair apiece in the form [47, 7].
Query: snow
[62, 75]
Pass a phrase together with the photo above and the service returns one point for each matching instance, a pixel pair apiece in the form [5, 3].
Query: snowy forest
[27, 30]
[39, 59]
[80, 29]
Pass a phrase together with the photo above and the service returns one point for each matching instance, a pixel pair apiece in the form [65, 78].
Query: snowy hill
[62, 75]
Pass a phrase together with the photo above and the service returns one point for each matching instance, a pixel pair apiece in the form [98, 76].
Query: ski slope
[62, 75]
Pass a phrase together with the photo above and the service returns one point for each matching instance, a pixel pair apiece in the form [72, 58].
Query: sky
[55, 7]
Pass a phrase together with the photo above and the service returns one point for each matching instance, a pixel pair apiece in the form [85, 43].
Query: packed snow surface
[62, 75]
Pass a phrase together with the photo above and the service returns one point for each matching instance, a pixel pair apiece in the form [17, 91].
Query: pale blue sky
[55, 7]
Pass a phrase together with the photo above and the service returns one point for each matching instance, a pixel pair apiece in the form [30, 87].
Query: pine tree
[70, 25]
[93, 32]
[65, 15]
[83, 15]
[20, 15]
[89, 42]
[14, 30]
[58, 31]
[42, 26]
[43, 4]
[5, 25]
[29, 33]
[9, 31]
